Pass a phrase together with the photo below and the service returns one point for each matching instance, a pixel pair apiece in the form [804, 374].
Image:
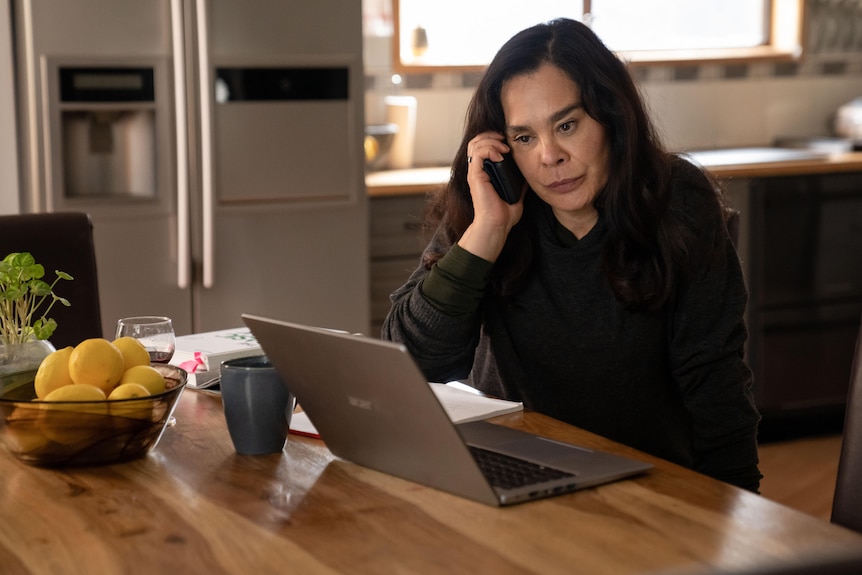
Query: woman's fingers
[486, 145]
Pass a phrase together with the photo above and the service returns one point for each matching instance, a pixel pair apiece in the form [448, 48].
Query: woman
[610, 295]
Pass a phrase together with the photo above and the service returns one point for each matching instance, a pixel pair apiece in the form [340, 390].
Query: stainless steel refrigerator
[217, 146]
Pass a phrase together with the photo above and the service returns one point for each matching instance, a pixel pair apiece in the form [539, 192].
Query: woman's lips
[567, 185]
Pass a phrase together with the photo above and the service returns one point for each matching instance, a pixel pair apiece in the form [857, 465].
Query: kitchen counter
[403, 182]
[723, 164]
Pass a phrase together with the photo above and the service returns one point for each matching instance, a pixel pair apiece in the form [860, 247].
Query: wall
[694, 107]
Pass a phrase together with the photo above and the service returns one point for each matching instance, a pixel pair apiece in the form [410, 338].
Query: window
[674, 25]
[464, 35]
[468, 32]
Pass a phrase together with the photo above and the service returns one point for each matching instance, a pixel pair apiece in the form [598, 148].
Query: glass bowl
[65, 433]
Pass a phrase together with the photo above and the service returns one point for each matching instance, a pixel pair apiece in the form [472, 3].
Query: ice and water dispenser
[105, 133]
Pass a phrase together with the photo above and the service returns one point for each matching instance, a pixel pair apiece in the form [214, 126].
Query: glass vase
[19, 362]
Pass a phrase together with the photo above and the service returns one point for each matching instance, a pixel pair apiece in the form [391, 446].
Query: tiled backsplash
[695, 107]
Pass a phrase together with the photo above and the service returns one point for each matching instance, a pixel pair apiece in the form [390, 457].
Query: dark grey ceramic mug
[257, 405]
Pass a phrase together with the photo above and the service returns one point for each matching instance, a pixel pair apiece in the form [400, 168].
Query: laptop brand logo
[359, 402]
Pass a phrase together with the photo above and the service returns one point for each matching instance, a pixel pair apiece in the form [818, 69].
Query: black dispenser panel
[94, 84]
[280, 84]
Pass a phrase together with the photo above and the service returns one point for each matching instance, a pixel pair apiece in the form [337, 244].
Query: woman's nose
[551, 153]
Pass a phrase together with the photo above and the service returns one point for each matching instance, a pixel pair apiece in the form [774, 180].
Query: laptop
[372, 406]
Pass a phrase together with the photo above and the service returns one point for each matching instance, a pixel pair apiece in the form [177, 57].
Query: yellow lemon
[74, 423]
[24, 431]
[145, 375]
[77, 392]
[134, 352]
[129, 390]
[96, 362]
[53, 372]
[136, 409]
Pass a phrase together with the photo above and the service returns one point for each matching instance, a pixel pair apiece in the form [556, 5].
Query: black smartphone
[506, 178]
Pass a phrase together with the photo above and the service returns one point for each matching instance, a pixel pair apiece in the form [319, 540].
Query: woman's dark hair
[643, 247]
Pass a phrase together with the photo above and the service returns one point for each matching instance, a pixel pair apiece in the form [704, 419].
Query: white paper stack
[201, 354]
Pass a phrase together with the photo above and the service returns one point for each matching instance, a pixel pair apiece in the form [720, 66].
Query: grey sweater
[670, 382]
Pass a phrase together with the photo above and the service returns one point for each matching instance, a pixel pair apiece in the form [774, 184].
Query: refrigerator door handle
[206, 143]
[183, 232]
[32, 110]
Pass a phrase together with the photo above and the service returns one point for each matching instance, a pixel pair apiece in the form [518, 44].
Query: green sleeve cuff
[456, 283]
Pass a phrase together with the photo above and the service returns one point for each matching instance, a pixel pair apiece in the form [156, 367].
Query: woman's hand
[493, 217]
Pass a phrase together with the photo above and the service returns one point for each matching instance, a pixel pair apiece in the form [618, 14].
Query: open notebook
[372, 406]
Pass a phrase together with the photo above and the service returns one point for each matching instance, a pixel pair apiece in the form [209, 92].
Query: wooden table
[194, 506]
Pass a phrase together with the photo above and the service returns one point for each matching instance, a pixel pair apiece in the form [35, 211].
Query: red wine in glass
[158, 356]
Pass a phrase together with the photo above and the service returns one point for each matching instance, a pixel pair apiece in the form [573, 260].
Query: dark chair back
[847, 503]
[61, 241]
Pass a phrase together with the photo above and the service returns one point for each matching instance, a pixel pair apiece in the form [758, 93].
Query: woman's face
[561, 150]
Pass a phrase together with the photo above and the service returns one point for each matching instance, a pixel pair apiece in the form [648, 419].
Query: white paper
[463, 406]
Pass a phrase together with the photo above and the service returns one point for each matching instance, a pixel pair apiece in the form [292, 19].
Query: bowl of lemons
[98, 402]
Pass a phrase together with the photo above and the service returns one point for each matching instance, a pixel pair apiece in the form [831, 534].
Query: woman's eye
[522, 139]
[567, 126]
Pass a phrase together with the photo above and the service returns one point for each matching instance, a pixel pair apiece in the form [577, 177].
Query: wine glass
[154, 332]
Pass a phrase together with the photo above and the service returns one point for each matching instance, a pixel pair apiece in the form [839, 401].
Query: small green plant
[22, 293]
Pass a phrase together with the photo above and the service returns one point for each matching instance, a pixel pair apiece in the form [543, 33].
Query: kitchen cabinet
[801, 247]
[396, 244]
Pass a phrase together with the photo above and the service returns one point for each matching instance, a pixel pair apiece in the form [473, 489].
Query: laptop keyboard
[508, 472]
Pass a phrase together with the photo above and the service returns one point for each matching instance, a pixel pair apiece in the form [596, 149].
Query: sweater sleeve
[440, 329]
[455, 285]
[707, 354]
